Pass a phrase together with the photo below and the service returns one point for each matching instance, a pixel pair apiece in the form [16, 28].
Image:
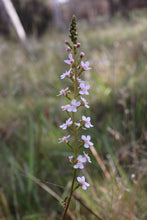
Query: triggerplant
[75, 98]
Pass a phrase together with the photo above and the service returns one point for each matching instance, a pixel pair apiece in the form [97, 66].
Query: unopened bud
[78, 45]
[75, 46]
[68, 49]
[65, 204]
[66, 42]
[70, 159]
[82, 54]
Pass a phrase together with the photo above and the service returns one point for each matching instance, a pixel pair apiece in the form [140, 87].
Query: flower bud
[66, 42]
[75, 46]
[68, 49]
[78, 45]
[70, 159]
[82, 54]
[73, 30]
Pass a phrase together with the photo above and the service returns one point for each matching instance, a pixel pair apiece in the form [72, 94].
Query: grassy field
[35, 175]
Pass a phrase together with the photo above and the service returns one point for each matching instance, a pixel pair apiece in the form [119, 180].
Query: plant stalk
[75, 136]
[70, 195]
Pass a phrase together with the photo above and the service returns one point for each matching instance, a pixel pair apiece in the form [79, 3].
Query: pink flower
[85, 66]
[80, 162]
[74, 105]
[87, 142]
[64, 139]
[63, 92]
[86, 121]
[78, 79]
[67, 124]
[77, 124]
[79, 166]
[87, 157]
[83, 89]
[65, 107]
[82, 182]
[70, 61]
[84, 102]
[66, 74]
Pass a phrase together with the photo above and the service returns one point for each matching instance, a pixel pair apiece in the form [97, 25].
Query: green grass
[30, 117]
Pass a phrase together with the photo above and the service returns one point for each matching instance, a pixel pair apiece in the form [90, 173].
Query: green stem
[75, 96]
[75, 137]
[70, 195]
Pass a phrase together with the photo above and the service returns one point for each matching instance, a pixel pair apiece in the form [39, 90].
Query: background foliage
[30, 117]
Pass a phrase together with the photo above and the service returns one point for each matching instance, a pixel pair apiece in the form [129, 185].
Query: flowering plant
[75, 101]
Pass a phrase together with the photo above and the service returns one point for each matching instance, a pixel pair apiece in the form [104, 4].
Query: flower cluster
[80, 160]
[76, 100]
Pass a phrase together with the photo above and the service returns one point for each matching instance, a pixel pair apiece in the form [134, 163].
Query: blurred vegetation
[30, 117]
[35, 15]
[39, 16]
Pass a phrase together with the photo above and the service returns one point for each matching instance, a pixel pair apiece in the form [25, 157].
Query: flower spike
[75, 101]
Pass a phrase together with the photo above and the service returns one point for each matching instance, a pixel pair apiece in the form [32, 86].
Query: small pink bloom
[78, 79]
[81, 159]
[87, 142]
[80, 162]
[65, 107]
[64, 139]
[85, 66]
[74, 105]
[66, 74]
[63, 92]
[83, 89]
[70, 61]
[68, 123]
[79, 166]
[82, 182]
[84, 102]
[77, 124]
[86, 121]
[87, 157]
